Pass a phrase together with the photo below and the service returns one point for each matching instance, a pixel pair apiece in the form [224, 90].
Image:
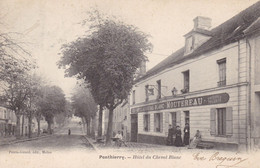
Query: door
[134, 127]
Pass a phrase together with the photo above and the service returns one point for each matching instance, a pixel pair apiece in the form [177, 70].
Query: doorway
[134, 127]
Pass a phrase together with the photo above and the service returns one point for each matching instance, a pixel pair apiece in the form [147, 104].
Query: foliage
[107, 59]
[83, 103]
[52, 102]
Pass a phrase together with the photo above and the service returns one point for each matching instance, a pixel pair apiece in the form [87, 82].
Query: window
[133, 96]
[173, 120]
[5, 114]
[186, 81]
[189, 44]
[146, 92]
[159, 89]
[187, 117]
[158, 122]
[146, 122]
[221, 121]
[222, 72]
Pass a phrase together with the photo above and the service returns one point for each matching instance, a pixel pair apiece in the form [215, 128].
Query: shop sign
[190, 102]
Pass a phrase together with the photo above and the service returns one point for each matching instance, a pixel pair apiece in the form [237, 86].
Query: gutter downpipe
[238, 93]
[248, 121]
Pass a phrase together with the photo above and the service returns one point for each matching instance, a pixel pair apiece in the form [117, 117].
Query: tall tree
[15, 63]
[36, 84]
[53, 102]
[84, 105]
[107, 59]
[15, 92]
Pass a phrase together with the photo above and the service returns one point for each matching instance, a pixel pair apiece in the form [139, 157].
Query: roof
[230, 31]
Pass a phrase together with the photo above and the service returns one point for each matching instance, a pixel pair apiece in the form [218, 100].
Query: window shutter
[178, 118]
[149, 122]
[213, 121]
[144, 122]
[229, 121]
[154, 117]
[161, 122]
[166, 123]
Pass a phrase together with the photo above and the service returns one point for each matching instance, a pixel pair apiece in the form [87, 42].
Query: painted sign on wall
[190, 102]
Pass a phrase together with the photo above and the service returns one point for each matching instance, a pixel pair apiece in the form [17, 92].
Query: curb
[24, 140]
[91, 143]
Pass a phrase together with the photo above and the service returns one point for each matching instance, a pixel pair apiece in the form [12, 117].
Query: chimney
[201, 22]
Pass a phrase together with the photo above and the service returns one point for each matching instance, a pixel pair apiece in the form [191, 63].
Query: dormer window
[189, 44]
[198, 35]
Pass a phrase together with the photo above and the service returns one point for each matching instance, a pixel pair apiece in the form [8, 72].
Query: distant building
[7, 122]
[212, 83]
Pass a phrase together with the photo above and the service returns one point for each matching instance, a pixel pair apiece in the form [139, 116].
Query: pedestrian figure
[186, 138]
[69, 132]
[195, 141]
[119, 140]
[169, 140]
[178, 140]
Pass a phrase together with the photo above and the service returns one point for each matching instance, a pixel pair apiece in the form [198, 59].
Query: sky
[47, 24]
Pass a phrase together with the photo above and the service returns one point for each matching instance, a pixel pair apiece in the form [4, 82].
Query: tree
[15, 63]
[107, 59]
[16, 91]
[60, 118]
[84, 105]
[53, 102]
[36, 84]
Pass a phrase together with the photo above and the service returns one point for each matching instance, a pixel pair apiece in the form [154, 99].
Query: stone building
[212, 83]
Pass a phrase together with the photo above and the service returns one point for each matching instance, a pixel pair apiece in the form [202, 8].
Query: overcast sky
[47, 24]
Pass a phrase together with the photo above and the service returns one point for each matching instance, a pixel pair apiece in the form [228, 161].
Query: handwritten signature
[222, 161]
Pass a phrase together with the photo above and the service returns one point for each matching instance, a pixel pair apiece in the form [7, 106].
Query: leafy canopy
[107, 59]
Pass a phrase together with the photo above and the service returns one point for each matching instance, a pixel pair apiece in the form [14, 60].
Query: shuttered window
[146, 122]
[158, 122]
[221, 121]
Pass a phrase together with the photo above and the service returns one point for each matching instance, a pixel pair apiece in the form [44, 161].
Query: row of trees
[84, 105]
[24, 92]
[107, 59]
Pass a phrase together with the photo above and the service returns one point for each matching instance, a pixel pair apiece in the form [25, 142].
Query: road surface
[60, 141]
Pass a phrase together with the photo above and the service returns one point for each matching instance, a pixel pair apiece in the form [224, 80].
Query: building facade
[7, 122]
[211, 83]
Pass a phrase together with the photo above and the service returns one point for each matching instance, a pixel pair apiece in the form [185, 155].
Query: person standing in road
[69, 132]
[186, 138]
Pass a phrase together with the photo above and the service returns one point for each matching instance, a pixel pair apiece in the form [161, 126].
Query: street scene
[100, 81]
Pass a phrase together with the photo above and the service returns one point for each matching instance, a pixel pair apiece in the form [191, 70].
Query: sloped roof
[226, 33]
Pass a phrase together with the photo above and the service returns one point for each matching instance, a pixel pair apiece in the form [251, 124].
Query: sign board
[190, 102]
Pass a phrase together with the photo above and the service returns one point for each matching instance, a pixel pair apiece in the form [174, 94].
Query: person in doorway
[195, 141]
[169, 140]
[186, 138]
[69, 132]
[178, 140]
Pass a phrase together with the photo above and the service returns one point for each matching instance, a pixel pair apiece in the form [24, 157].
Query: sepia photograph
[128, 83]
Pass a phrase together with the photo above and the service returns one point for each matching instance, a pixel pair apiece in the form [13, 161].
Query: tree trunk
[84, 125]
[22, 124]
[49, 127]
[93, 130]
[100, 116]
[17, 130]
[39, 126]
[109, 127]
[88, 128]
[30, 126]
